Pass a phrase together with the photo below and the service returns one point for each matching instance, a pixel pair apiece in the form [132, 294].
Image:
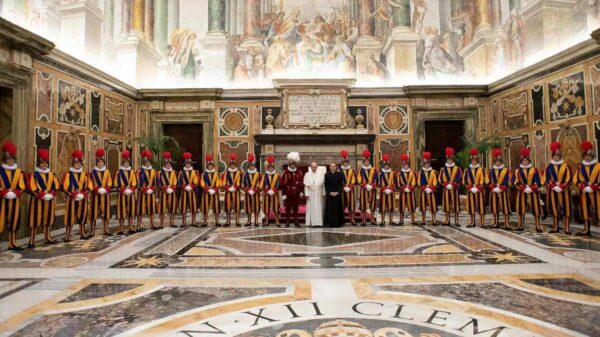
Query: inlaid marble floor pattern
[392, 281]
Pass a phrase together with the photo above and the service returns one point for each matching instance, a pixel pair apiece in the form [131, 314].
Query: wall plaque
[314, 107]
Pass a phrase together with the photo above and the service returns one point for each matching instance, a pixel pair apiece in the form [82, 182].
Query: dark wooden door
[189, 137]
[441, 134]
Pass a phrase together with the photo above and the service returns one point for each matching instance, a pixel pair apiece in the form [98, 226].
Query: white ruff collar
[185, 168]
[209, 171]
[499, 167]
[406, 170]
[450, 165]
[474, 166]
[251, 171]
[9, 167]
[100, 169]
[427, 169]
[125, 168]
[347, 167]
[167, 169]
[74, 170]
[384, 170]
[589, 163]
[560, 162]
[292, 169]
[271, 173]
[147, 167]
[525, 166]
[232, 169]
[366, 167]
[41, 170]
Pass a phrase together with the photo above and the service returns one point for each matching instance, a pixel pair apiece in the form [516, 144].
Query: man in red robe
[292, 187]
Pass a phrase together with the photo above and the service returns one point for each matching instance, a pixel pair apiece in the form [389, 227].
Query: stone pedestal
[137, 59]
[81, 25]
[400, 51]
[364, 47]
[217, 57]
[480, 56]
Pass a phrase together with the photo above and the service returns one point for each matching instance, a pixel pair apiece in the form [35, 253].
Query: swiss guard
[557, 177]
[125, 183]
[12, 185]
[232, 182]
[292, 186]
[210, 183]
[146, 200]
[498, 180]
[587, 180]
[406, 183]
[527, 179]
[251, 186]
[474, 179]
[427, 181]
[100, 185]
[43, 185]
[188, 180]
[387, 189]
[269, 184]
[450, 177]
[368, 180]
[75, 185]
[167, 182]
[348, 197]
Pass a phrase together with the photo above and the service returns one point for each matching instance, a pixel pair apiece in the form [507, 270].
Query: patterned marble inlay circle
[234, 121]
[64, 262]
[393, 119]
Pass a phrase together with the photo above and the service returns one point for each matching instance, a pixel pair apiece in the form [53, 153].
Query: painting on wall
[514, 145]
[72, 104]
[228, 147]
[567, 97]
[393, 147]
[66, 143]
[393, 119]
[95, 101]
[113, 150]
[570, 139]
[540, 145]
[515, 111]
[233, 122]
[43, 107]
[129, 121]
[113, 115]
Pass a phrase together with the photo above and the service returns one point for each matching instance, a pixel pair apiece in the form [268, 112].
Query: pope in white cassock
[314, 191]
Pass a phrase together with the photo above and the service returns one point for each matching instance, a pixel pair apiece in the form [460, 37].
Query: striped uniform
[527, 177]
[588, 175]
[210, 180]
[75, 211]
[167, 202]
[9, 208]
[187, 200]
[367, 198]
[100, 204]
[387, 180]
[450, 199]
[270, 202]
[558, 202]
[348, 198]
[501, 178]
[42, 212]
[232, 199]
[428, 178]
[146, 203]
[406, 179]
[251, 181]
[125, 203]
[475, 178]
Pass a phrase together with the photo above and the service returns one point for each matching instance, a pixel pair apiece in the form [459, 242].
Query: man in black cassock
[334, 183]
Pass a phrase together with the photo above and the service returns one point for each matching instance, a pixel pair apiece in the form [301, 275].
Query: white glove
[101, 191]
[428, 190]
[283, 197]
[169, 190]
[497, 190]
[588, 189]
[127, 191]
[528, 190]
[387, 191]
[270, 192]
[251, 192]
[149, 191]
[188, 188]
[557, 189]
[48, 197]
[407, 190]
[474, 190]
[346, 189]
[79, 197]
[449, 187]
[10, 195]
[232, 189]
[211, 191]
[369, 187]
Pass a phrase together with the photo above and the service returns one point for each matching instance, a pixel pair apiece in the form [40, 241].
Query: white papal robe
[314, 188]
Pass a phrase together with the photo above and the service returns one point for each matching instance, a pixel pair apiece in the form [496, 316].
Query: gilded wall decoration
[113, 115]
[66, 143]
[537, 103]
[233, 122]
[514, 145]
[354, 111]
[540, 145]
[393, 119]
[43, 108]
[495, 109]
[567, 97]
[595, 81]
[113, 150]
[483, 120]
[393, 147]
[95, 101]
[570, 139]
[515, 111]
[228, 147]
[129, 121]
[71, 104]
[43, 139]
[277, 118]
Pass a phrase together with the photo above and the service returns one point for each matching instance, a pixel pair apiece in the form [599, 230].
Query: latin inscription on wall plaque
[314, 107]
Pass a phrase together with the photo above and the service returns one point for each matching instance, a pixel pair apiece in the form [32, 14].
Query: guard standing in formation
[210, 183]
[167, 183]
[146, 201]
[43, 186]
[474, 178]
[269, 184]
[587, 180]
[232, 182]
[101, 183]
[348, 194]
[251, 186]
[188, 180]
[557, 177]
[75, 185]
[12, 185]
[406, 183]
[499, 179]
[292, 186]
[527, 179]
[125, 183]
[450, 177]
[387, 189]
[368, 180]
[427, 181]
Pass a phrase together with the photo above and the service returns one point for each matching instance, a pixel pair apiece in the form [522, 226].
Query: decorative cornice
[445, 90]
[16, 37]
[315, 138]
[284, 83]
[256, 94]
[596, 35]
[183, 93]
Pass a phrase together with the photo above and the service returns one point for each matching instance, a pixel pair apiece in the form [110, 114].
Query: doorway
[189, 137]
[440, 134]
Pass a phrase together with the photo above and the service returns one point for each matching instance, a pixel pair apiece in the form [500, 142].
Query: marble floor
[421, 281]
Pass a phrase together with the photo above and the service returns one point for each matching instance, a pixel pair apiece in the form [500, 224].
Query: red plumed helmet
[100, 153]
[426, 155]
[77, 154]
[146, 154]
[10, 148]
[554, 147]
[344, 154]
[366, 154]
[208, 158]
[385, 157]
[270, 160]
[166, 155]
[125, 154]
[586, 146]
[187, 156]
[232, 156]
[449, 152]
[496, 153]
[525, 152]
[43, 154]
[404, 157]
[474, 152]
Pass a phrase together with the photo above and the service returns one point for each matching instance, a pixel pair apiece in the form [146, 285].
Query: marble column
[108, 33]
[366, 46]
[217, 51]
[138, 22]
[233, 17]
[126, 16]
[161, 27]
[483, 17]
[514, 4]
[149, 21]
[400, 48]
[401, 15]
[173, 16]
[216, 15]
[251, 23]
[81, 25]
[365, 22]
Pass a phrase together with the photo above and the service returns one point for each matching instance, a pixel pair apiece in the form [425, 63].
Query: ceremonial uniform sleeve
[89, 181]
[56, 184]
[33, 184]
[537, 178]
[434, 179]
[65, 182]
[109, 181]
[568, 179]
[577, 177]
[21, 181]
[411, 179]
[515, 179]
[261, 183]
[133, 180]
[195, 177]
[544, 175]
[359, 179]
[202, 183]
